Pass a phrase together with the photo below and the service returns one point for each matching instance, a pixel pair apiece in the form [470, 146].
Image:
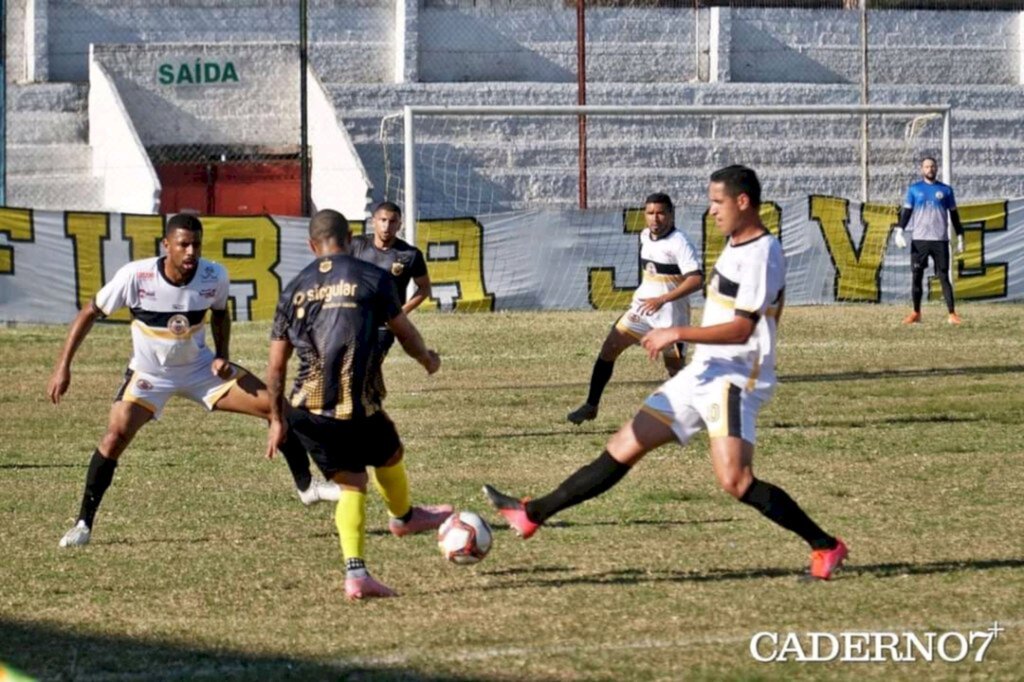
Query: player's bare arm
[690, 284]
[220, 327]
[737, 330]
[277, 372]
[421, 294]
[412, 343]
[80, 327]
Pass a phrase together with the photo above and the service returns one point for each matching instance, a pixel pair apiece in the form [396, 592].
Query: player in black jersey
[404, 261]
[329, 315]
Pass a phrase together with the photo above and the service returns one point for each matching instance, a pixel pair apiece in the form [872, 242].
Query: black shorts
[936, 249]
[345, 444]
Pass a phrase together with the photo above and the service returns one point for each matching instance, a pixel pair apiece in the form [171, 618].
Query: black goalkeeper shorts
[344, 444]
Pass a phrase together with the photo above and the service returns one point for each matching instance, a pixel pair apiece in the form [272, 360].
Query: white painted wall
[338, 180]
[823, 46]
[130, 183]
[351, 39]
[487, 43]
[261, 109]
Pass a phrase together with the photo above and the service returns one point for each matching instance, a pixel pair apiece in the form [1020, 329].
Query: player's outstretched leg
[514, 511]
[599, 378]
[97, 480]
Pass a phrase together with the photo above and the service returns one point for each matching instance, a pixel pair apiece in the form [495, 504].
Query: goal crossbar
[411, 111]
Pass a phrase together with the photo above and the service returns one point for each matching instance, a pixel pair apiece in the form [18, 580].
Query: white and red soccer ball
[464, 538]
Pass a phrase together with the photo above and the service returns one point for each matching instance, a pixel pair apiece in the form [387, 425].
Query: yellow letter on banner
[88, 231]
[256, 243]
[143, 233]
[714, 242]
[973, 278]
[454, 251]
[604, 295]
[858, 268]
[16, 223]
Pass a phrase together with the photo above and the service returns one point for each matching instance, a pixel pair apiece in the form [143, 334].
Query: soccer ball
[464, 538]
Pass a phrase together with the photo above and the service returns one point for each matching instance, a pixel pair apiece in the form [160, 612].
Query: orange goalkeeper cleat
[912, 318]
[954, 319]
[825, 561]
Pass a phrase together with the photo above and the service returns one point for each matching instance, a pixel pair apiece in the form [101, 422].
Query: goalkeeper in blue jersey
[924, 213]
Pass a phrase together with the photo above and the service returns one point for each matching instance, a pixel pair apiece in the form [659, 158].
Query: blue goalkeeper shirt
[929, 203]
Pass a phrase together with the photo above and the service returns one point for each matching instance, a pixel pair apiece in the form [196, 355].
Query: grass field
[907, 442]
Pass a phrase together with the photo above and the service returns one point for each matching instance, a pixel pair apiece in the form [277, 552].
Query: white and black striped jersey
[747, 280]
[168, 320]
[665, 262]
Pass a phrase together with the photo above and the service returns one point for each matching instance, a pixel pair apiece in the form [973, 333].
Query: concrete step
[80, 192]
[46, 127]
[50, 159]
[52, 97]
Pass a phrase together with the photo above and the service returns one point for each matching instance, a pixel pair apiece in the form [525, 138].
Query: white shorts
[197, 383]
[636, 324]
[698, 397]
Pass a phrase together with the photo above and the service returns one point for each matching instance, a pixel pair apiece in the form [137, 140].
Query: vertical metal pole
[865, 181]
[3, 103]
[304, 107]
[581, 97]
[947, 148]
[410, 177]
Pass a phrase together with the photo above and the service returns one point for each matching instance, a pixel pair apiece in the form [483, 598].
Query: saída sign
[197, 72]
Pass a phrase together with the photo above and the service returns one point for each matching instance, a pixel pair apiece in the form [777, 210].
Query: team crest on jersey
[397, 268]
[144, 385]
[939, 195]
[209, 272]
[178, 324]
[326, 265]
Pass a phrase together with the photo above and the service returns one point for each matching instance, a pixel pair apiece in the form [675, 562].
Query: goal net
[497, 194]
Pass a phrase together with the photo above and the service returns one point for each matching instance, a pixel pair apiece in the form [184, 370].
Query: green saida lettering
[166, 74]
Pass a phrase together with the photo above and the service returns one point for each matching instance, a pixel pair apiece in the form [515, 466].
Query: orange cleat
[912, 318]
[423, 519]
[954, 319]
[825, 561]
[514, 512]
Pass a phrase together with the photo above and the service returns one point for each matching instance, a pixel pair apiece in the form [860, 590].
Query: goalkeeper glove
[898, 238]
[960, 244]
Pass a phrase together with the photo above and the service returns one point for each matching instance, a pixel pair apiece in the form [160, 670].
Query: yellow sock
[393, 485]
[350, 518]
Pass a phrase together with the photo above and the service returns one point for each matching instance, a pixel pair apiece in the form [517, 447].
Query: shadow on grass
[47, 652]
[633, 576]
[865, 375]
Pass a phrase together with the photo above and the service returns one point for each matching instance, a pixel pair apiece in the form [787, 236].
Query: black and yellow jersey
[403, 260]
[330, 314]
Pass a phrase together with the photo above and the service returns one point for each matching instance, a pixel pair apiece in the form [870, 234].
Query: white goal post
[412, 112]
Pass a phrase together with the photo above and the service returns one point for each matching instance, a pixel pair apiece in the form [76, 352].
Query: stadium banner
[52, 263]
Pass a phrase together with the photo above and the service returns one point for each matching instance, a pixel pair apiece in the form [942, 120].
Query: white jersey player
[670, 273]
[169, 298]
[721, 390]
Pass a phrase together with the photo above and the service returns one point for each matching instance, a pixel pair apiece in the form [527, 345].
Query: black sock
[97, 480]
[599, 379]
[947, 292]
[587, 482]
[778, 506]
[298, 462]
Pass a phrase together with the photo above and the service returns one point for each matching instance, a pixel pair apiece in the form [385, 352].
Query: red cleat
[422, 520]
[825, 561]
[366, 588]
[514, 512]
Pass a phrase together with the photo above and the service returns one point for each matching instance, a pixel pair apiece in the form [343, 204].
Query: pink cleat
[366, 588]
[514, 512]
[423, 519]
[825, 561]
